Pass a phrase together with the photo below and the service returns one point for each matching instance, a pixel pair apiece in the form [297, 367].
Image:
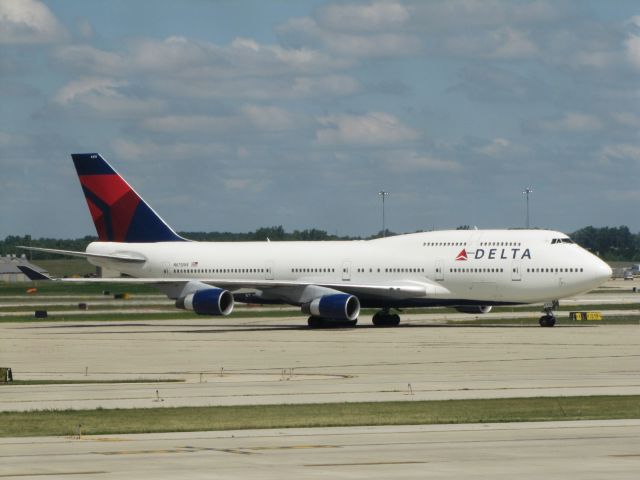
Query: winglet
[33, 274]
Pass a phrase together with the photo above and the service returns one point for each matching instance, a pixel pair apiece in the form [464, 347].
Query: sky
[234, 115]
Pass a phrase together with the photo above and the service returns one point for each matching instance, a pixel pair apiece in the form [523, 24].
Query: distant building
[9, 269]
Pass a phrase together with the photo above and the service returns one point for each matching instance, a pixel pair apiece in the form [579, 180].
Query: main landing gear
[385, 319]
[548, 319]
[320, 322]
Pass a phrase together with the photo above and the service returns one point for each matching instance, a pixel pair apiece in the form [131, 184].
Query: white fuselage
[455, 266]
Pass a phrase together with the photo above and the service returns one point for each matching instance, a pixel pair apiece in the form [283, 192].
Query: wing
[401, 289]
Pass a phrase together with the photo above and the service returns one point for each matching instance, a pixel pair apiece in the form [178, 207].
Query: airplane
[468, 270]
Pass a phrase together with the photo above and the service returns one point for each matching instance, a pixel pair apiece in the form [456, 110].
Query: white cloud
[403, 162]
[190, 123]
[186, 68]
[334, 85]
[502, 43]
[259, 117]
[92, 60]
[85, 29]
[304, 31]
[622, 151]
[495, 148]
[380, 45]
[632, 43]
[253, 185]
[29, 22]
[512, 43]
[374, 128]
[5, 138]
[465, 14]
[627, 119]
[364, 17]
[105, 96]
[147, 150]
[185, 58]
[572, 122]
[268, 118]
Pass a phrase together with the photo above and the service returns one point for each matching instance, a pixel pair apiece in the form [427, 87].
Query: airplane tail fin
[118, 212]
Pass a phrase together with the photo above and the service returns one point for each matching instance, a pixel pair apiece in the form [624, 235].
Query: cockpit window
[561, 240]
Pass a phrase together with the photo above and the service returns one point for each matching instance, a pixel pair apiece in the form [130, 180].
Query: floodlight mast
[383, 194]
[526, 192]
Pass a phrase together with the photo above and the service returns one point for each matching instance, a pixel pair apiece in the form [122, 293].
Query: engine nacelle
[209, 301]
[474, 308]
[340, 306]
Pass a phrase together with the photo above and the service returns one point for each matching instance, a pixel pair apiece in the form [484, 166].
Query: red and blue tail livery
[118, 212]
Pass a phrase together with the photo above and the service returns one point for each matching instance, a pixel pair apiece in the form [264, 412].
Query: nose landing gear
[548, 319]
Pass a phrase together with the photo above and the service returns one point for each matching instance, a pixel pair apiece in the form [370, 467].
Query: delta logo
[495, 254]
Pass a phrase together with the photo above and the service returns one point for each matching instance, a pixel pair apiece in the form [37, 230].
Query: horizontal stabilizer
[119, 257]
[32, 274]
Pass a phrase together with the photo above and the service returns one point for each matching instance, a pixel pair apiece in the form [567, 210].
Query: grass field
[120, 421]
[78, 289]
[82, 382]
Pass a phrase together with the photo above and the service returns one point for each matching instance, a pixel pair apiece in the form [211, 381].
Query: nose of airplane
[608, 272]
[602, 270]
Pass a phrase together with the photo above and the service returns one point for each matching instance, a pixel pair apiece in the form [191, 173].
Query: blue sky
[232, 115]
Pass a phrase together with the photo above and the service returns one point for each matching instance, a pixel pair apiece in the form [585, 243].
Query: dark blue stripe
[91, 164]
[147, 227]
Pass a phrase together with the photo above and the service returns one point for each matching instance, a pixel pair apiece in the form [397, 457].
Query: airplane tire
[547, 321]
[315, 322]
[381, 320]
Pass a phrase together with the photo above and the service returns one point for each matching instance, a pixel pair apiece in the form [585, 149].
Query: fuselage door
[439, 273]
[346, 270]
[166, 269]
[268, 270]
[516, 274]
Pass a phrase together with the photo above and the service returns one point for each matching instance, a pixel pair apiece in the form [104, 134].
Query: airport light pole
[383, 194]
[526, 192]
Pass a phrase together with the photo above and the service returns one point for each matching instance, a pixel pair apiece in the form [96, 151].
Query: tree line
[610, 243]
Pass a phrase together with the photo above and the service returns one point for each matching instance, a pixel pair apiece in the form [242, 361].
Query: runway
[268, 361]
[231, 361]
[554, 450]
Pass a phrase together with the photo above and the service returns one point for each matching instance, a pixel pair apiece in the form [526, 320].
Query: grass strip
[49, 288]
[189, 419]
[74, 382]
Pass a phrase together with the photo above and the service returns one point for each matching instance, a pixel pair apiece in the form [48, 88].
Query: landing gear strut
[548, 319]
[320, 322]
[385, 319]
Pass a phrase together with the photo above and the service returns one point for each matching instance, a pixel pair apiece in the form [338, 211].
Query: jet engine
[339, 306]
[209, 301]
[474, 308]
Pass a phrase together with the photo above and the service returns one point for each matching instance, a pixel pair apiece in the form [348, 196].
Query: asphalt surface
[554, 450]
[267, 361]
